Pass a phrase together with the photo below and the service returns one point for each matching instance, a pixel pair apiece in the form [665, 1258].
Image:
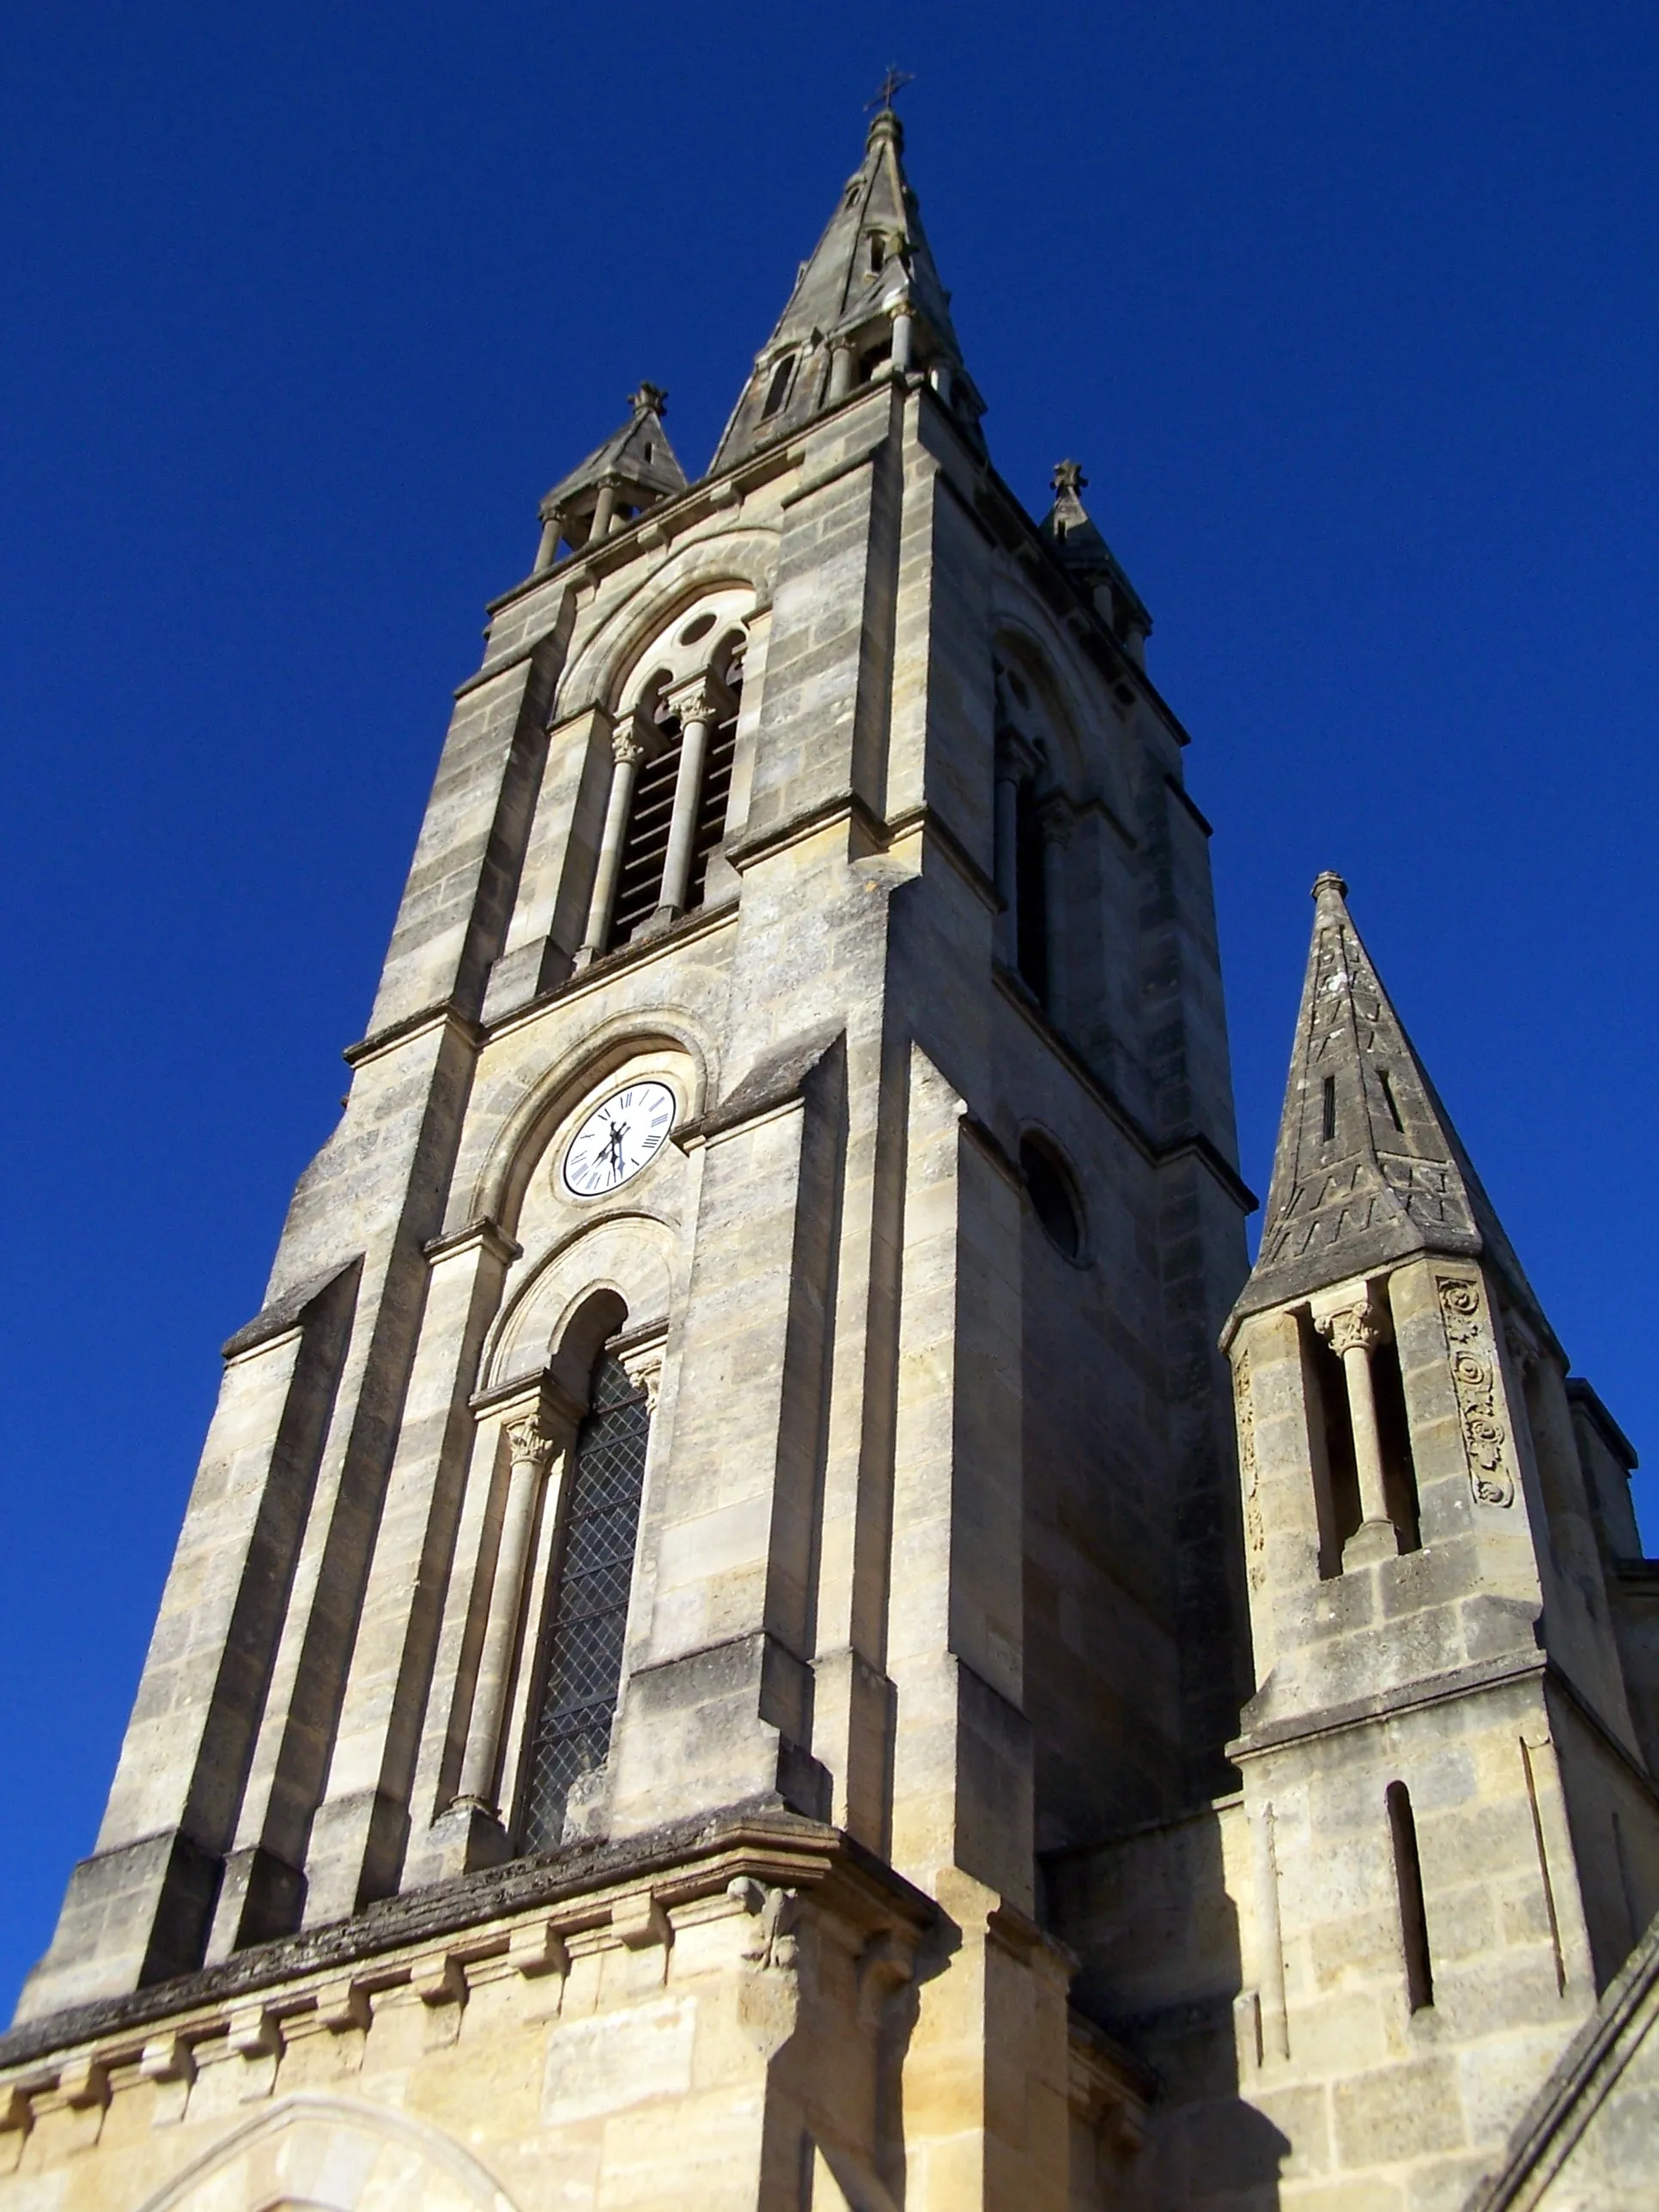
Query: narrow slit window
[1329, 1108]
[1389, 1099]
[1408, 1885]
[581, 1665]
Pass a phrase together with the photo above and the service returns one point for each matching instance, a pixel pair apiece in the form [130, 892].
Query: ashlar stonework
[772, 1616]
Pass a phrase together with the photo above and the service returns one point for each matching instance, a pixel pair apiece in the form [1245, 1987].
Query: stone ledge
[677, 1863]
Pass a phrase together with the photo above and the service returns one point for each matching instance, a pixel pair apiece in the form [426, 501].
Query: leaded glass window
[582, 1668]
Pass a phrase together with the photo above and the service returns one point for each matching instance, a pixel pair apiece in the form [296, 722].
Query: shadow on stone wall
[1162, 1972]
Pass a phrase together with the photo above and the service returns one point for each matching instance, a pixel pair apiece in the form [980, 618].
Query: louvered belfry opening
[581, 1667]
[639, 883]
[639, 886]
[716, 789]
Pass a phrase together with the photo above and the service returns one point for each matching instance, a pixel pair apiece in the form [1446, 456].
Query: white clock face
[618, 1138]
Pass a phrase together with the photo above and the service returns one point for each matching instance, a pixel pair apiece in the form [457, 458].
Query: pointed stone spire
[1085, 552]
[635, 468]
[869, 295]
[1368, 1168]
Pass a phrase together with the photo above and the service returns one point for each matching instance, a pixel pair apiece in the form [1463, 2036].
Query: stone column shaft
[1006, 826]
[904, 329]
[841, 373]
[1055, 831]
[605, 513]
[1367, 1440]
[1354, 1332]
[698, 708]
[547, 551]
[532, 1446]
[626, 752]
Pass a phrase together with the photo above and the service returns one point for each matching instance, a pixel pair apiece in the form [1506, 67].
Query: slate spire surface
[1368, 1169]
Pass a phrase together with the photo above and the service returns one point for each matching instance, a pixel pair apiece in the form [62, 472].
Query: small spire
[1369, 1169]
[1091, 560]
[872, 259]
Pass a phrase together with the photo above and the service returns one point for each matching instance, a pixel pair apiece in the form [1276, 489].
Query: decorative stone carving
[1474, 1379]
[529, 1443]
[772, 1945]
[1350, 1328]
[626, 750]
[1255, 1532]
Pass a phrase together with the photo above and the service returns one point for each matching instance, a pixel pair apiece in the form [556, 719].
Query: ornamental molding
[1473, 1358]
[1256, 1530]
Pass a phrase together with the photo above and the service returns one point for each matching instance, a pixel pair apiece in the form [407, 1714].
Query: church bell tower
[733, 1466]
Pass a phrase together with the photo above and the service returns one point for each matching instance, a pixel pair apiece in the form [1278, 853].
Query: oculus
[622, 1134]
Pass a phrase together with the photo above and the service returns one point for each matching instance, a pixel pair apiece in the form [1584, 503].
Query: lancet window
[582, 1654]
[1031, 821]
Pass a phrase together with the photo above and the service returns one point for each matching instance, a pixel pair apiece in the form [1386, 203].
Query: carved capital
[1350, 1328]
[530, 1443]
[625, 748]
[704, 700]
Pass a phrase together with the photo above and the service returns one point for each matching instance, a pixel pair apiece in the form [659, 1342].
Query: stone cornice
[438, 1931]
[445, 1014]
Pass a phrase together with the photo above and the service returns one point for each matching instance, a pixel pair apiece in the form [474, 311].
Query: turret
[634, 469]
[1454, 1822]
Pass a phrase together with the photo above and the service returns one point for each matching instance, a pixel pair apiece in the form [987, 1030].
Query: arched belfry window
[1032, 820]
[581, 1657]
[672, 779]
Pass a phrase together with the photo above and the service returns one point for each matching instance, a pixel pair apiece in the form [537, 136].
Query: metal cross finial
[891, 85]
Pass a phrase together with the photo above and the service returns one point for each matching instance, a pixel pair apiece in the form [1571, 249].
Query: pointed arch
[335, 2154]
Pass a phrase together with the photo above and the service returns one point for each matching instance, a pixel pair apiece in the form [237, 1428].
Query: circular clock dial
[618, 1138]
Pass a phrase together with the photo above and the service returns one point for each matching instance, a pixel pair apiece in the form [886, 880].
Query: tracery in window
[587, 1616]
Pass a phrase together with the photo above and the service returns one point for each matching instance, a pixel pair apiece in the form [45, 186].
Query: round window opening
[694, 630]
[1052, 1201]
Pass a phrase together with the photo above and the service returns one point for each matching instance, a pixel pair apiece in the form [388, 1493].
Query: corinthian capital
[529, 1443]
[1357, 1328]
[707, 699]
[625, 748]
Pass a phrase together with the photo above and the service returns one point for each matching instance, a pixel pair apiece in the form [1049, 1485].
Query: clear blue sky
[1349, 312]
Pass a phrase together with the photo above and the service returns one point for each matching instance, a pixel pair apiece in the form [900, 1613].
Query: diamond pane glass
[582, 1670]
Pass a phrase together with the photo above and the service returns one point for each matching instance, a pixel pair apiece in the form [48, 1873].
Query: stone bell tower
[733, 1464]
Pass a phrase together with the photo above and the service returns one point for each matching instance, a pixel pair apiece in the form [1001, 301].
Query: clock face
[618, 1138]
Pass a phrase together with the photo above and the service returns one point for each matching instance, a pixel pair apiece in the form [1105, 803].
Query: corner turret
[634, 469]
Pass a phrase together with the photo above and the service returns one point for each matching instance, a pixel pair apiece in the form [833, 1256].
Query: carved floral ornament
[1474, 1379]
[1255, 1533]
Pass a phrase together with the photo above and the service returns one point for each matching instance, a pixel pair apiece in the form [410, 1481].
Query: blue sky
[1350, 312]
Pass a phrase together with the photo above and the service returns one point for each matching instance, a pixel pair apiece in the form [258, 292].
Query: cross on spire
[889, 88]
